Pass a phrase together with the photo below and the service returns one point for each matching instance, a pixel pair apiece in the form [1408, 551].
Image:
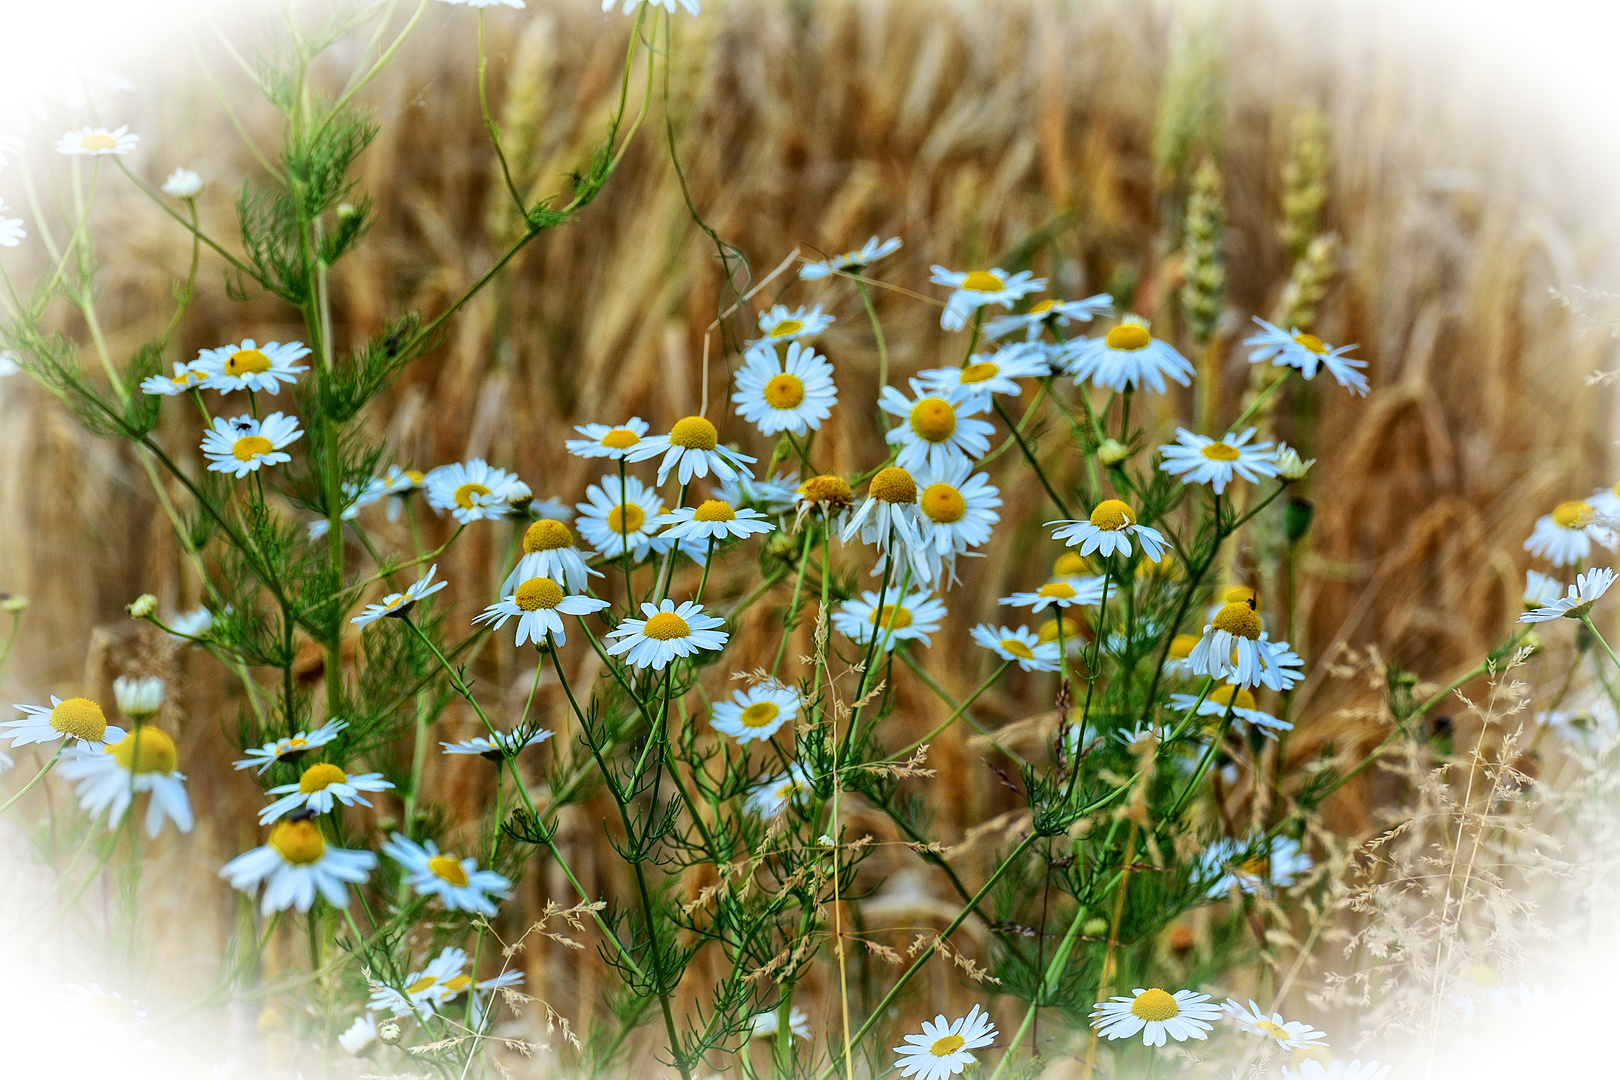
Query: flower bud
[1112, 452]
[16, 605]
[1095, 927]
[1289, 465]
[138, 698]
[389, 1032]
[142, 606]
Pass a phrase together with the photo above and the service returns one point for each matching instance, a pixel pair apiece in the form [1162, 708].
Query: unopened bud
[1289, 465]
[142, 606]
[345, 210]
[1095, 927]
[1112, 452]
[14, 604]
[389, 1032]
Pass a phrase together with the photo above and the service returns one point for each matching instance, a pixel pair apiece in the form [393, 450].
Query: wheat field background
[1016, 133]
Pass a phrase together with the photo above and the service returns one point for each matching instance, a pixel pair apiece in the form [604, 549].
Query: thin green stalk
[26, 788]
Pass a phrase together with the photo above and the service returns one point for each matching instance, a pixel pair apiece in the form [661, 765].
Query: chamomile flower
[539, 604]
[1236, 865]
[850, 262]
[616, 517]
[1287, 1034]
[768, 1023]
[1198, 459]
[774, 496]
[1311, 1069]
[1049, 313]
[1109, 532]
[1540, 590]
[322, 786]
[397, 485]
[977, 288]
[110, 777]
[242, 445]
[293, 747]
[1582, 595]
[76, 718]
[712, 519]
[693, 444]
[474, 491]
[780, 324]
[185, 379]
[138, 698]
[1234, 647]
[1306, 352]
[549, 551]
[249, 366]
[667, 632]
[1156, 1013]
[974, 385]
[97, 141]
[1062, 593]
[943, 1047]
[499, 746]
[12, 232]
[1127, 357]
[458, 883]
[294, 864]
[955, 512]
[182, 184]
[1242, 704]
[909, 618]
[397, 605]
[358, 1036]
[1072, 637]
[792, 393]
[830, 494]
[441, 979]
[604, 441]
[888, 516]
[1566, 535]
[768, 797]
[756, 712]
[114, 1014]
[937, 430]
[1020, 646]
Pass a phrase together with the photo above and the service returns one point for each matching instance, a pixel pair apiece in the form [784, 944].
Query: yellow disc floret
[626, 518]
[246, 362]
[943, 503]
[666, 626]
[1128, 337]
[1112, 515]
[466, 493]
[1276, 1031]
[759, 714]
[299, 842]
[1573, 515]
[546, 535]
[1155, 1004]
[1069, 564]
[1239, 620]
[98, 141]
[1014, 647]
[946, 1046]
[832, 491]
[978, 373]
[537, 593]
[1310, 342]
[249, 447]
[620, 438]
[891, 615]
[1041, 307]
[1059, 590]
[784, 392]
[1048, 633]
[982, 281]
[1227, 694]
[893, 485]
[146, 750]
[694, 433]
[1182, 645]
[1220, 451]
[786, 328]
[933, 419]
[319, 777]
[448, 868]
[80, 718]
[714, 510]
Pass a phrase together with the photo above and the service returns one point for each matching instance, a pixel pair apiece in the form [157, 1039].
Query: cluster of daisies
[1565, 538]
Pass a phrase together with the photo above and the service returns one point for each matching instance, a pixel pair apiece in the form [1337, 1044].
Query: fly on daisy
[321, 787]
[791, 393]
[397, 605]
[1156, 1013]
[780, 324]
[936, 430]
[668, 631]
[1582, 595]
[474, 491]
[1046, 314]
[616, 518]
[1566, 535]
[1234, 647]
[74, 718]
[458, 883]
[1287, 1034]
[499, 746]
[757, 712]
[293, 747]
[110, 776]
[242, 445]
[1198, 459]
[605, 441]
[1306, 352]
[250, 366]
[1021, 646]
[692, 448]
[185, 379]
[539, 604]
[294, 864]
[943, 1048]
[712, 519]
[909, 618]
[97, 141]
[1108, 532]
[977, 288]
[984, 376]
[850, 262]
[1128, 357]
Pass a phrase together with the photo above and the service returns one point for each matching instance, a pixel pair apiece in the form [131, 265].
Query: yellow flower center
[1042, 307]
[291, 746]
[186, 378]
[891, 615]
[982, 281]
[943, 503]
[786, 328]
[1069, 564]
[759, 714]
[1276, 1031]
[1048, 633]
[249, 447]
[466, 493]
[111, 1008]
[978, 373]
[1239, 620]
[1155, 1004]
[457, 984]
[1257, 867]
[694, 433]
[626, 518]
[946, 1046]
[1220, 451]
[319, 777]
[665, 626]
[784, 391]
[933, 419]
[299, 842]
[537, 593]
[714, 510]
[1311, 342]
[1111, 515]
[620, 439]
[421, 984]
[893, 485]
[98, 141]
[833, 490]
[1573, 515]
[1128, 337]
[414, 477]
[246, 362]
[81, 718]
[1060, 590]
[1182, 645]
[146, 750]
[1223, 696]
[1017, 648]
[546, 536]
[448, 868]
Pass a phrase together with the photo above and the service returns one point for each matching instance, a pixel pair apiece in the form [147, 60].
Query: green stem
[26, 788]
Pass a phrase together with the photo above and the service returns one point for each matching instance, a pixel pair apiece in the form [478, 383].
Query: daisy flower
[1109, 532]
[1282, 867]
[1310, 1069]
[397, 484]
[850, 262]
[756, 712]
[1234, 647]
[294, 863]
[138, 698]
[794, 393]
[767, 1023]
[1072, 635]
[1605, 503]
[889, 514]
[1540, 590]
[472, 492]
[614, 526]
[694, 445]
[1288, 1034]
[943, 1047]
[1020, 646]
[1049, 313]
[1198, 459]
[250, 367]
[974, 385]
[182, 184]
[359, 1036]
[1565, 536]
[768, 797]
[185, 379]
[955, 512]
[397, 605]
[910, 618]
[240, 446]
[497, 747]
[292, 748]
[774, 496]
[115, 1013]
[322, 786]
[602, 441]
[1156, 1013]
[1306, 352]
[712, 520]
[1243, 707]
[937, 431]
[831, 494]
[549, 552]
[1127, 357]
[110, 777]
[667, 632]
[1582, 595]
[12, 232]
[539, 605]
[1062, 593]
[977, 288]
[780, 324]
[76, 718]
[97, 141]
[458, 883]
